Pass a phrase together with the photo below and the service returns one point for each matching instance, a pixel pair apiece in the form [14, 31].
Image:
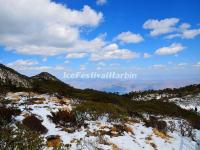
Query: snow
[142, 138]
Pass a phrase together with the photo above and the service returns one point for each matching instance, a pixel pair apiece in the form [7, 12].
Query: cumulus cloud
[158, 67]
[159, 27]
[184, 32]
[172, 49]
[25, 65]
[51, 29]
[146, 55]
[129, 37]
[185, 26]
[76, 55]
[101, 2]
[31, 65]
[98, 49]
[112, 51]
[22, 62]
[190, 34]
[48, 29]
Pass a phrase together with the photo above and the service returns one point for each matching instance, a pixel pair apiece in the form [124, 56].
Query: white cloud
[102, 64]
[197, 64]
[184, 32]
[185, 26]
[66, 61]
[44, 59]
[158, 67]
[43, 27]
[30, 65]
[129, 37]
[101, 2]
[182, 64]
[172, 49]
[37, 68]
[22, 62]
[171, 36]
[76, 55]
[190, 34]
[46, 28]
[82, 67]
[89, 46]
[159, 27]
[146, 55]
[112, 51]
[27, 65]
[59, 68]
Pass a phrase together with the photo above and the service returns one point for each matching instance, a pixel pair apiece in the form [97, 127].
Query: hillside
[49, 113]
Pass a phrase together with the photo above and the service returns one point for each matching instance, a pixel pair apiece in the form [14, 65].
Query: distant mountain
[115, 89]
[45, 76]
[169, 92]
[11, 80]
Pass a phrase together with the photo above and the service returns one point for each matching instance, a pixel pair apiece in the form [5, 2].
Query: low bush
[6, 114]
[34, 124]
[94, 110]
[63, 118]
[20, 138]
[163, 108]
[155, 123]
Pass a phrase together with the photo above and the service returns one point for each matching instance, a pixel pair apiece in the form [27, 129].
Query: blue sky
[158, 40]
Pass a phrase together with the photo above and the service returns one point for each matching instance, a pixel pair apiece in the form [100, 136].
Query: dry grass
[162, 135]
[54, 142]
[154, 146]
[115, 147]
[148, 138]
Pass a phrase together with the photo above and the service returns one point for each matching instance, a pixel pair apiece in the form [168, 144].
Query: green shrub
[96, 110]
[165, 109]
[20, 138]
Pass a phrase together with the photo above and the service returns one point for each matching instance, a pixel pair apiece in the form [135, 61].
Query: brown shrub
[6, 114]
[32, 101]
[154, 146]
[34, 124]
[155, 123]
[53, 141]
[63, 118]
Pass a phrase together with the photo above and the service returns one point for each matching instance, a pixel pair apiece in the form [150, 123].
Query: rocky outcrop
[10, 77]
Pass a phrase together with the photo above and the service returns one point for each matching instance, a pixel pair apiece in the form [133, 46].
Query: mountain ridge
[45, 82]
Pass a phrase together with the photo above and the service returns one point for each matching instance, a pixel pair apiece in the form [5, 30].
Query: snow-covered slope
[102, 134]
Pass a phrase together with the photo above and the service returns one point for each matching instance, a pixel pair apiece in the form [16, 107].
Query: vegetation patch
[63, 118]
[94, 110]
[34, 124]
[6, 114]
[163, 108]
[53, 141]
[155, 123]
[20, 138]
